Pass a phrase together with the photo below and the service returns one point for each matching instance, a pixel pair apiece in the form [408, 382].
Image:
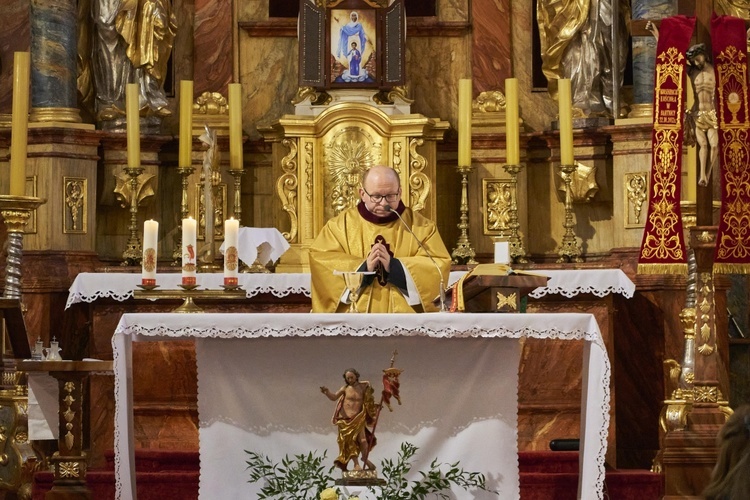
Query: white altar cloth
[88, 287]
[299, 352]
[266, 244]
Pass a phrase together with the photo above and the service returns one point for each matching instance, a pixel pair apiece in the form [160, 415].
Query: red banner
[663, 246]
[732, 254]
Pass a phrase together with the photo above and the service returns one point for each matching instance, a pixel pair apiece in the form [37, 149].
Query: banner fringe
[731, 268]
[663, 269]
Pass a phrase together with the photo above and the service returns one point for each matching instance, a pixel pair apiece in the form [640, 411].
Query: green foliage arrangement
[304, 477]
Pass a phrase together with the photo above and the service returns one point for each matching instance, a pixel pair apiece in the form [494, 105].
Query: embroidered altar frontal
[663, 245]
[732, 253]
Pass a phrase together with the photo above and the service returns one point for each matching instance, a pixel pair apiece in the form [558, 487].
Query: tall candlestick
[464, 122]
[150, 238]
[235, 126]
[512, 148]
[189, 251]
[133, 125]
[19, 123]
[231, 258]
[566, 121]
[186, 123]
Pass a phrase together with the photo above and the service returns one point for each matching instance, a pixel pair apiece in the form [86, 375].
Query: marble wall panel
[213, 33]
[268, 73]
[491, 50]
[15, 35]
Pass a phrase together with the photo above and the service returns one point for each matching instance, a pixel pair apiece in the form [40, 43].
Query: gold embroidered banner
[663, 245]
[732, 254]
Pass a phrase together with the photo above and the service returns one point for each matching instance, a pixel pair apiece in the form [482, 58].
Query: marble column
[644, 54]
[53, 61]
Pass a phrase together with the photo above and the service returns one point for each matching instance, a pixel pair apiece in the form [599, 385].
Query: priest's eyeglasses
[377, 198]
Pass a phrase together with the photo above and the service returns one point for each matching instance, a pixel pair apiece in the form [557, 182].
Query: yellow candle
[231, 259]
[566, 121]
[512, 148]
[235, 126]
[186, 123]
[189, 251]
[150, 238]
[464, 122]
[133, 125]
[19, 123]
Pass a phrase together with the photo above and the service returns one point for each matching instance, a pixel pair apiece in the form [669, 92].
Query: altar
[459, 388]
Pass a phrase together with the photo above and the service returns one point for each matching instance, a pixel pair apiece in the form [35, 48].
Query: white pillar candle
[189, 251]
[150, 238]
[231, 259]
[502, 252]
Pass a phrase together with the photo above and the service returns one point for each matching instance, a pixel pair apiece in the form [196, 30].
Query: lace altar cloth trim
[568, 326]
[88, 287]
[600, 282]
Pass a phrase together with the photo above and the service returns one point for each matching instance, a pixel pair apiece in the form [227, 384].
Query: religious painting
[353, 42]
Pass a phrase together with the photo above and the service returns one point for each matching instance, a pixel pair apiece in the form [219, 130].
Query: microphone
[440, 273]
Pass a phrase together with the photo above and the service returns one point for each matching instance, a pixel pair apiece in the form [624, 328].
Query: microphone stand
[440, 273]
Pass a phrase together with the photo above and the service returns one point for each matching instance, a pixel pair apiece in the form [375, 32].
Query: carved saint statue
[132, 43]
[577, 43]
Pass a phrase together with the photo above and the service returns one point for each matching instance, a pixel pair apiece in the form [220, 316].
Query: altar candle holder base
[148, 288]
[237, 208]
[185, 173]
[569, 250]
[209, 267]
[188, 294]
[133, 254]
[516, 248]
[256, 268]
[464, 253]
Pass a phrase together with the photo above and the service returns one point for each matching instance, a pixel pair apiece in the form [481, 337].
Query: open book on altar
[493, 288]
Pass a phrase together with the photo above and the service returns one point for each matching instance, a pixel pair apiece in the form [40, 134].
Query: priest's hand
[379, 256]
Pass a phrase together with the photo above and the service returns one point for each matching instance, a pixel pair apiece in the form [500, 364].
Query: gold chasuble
[343, 245]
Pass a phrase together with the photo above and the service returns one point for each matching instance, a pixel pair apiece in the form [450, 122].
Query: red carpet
[543, 476]
[546, 475]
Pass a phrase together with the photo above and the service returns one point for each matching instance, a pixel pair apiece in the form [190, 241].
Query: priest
[404, 271]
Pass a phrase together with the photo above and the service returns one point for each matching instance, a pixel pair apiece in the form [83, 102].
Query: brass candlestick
[16, 212]
[515, 243]
[188, 293]
[133, 253]
[464, 253]
[237, 208]
[569, 250]
[185, 173]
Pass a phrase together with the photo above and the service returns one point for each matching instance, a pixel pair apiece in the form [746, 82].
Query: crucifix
[694, 412]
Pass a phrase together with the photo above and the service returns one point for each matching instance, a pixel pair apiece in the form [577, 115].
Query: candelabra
[237, 208]
[464, 253]
[133, 253]
[16, 212]
[515, 243]
[185, 173]
[569, 250]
